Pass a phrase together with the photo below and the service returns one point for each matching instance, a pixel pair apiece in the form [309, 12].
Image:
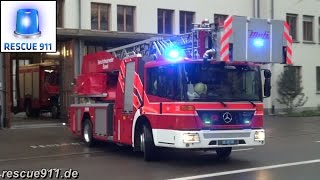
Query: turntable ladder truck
[200, 90]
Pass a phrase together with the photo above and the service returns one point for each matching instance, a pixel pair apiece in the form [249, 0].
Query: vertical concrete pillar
[8, 90]
[1, 91]
[78, 56]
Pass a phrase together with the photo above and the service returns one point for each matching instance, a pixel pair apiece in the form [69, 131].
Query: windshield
[51, 77]
[205, 83]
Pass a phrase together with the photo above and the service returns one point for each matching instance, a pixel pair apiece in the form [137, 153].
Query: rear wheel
[147, 144]
[224, 153]
[88, 133]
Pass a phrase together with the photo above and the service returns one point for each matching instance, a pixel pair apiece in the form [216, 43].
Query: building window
[318, 78]
[220, 18]
[90, 49]
[165, 21]
[126, 18]
[186, 20]
[308, 28]
[100, 14]
[296, 72]
[59, 13]
[292, 21]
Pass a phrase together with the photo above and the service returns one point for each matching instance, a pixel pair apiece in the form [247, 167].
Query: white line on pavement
[248, 149]
[318, 141]
[248, 170]
[49, 156]
[56, 145]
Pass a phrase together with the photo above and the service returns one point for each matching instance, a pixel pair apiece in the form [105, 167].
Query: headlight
[191, 138]
[259, 136]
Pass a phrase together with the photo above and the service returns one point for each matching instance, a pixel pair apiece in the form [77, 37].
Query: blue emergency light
[258, 42]
[174, 53]
[27, 23]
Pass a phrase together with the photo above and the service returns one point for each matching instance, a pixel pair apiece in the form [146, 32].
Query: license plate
[228, 142]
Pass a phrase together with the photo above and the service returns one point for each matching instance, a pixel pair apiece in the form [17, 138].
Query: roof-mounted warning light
[174, 53]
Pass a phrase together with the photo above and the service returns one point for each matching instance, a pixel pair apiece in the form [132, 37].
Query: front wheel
[88, 133]
[224, 153]
[147, 144]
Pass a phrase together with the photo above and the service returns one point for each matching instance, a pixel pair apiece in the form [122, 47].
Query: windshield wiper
[224, 104]
[254, 105]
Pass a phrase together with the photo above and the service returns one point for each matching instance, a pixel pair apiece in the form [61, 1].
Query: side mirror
[267, 83]
[267, 73]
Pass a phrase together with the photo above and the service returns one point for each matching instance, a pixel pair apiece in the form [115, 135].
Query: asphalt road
[292, 152]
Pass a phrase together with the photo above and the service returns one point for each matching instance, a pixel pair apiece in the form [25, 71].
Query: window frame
[99, 6]
[298, 69]
[304, 20]
[296, 16]
[219, 17]
[318, 79]
[185, 23]
[125, 7]
[163, 15]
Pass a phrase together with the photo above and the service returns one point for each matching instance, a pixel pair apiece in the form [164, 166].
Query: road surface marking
[35, 126]
[49, 156]
[248, 170]
[248, 149]
[56, 145]
[318, 141]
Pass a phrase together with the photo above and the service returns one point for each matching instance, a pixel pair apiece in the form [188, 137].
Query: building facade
[88, 26]
[167, 17]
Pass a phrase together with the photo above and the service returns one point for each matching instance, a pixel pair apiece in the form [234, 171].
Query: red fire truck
[39, 89]
[200, 90]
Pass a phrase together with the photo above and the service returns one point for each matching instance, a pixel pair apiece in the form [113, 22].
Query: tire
[224, 153]
[54, 111]
[87, 133]
[147, 144]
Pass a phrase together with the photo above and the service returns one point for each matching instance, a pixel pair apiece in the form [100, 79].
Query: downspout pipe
[254, 8]
[79, 19]
[272, 9]
[272, 65]
[258, 8]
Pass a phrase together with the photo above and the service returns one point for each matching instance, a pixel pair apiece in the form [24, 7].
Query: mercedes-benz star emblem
[227, 117]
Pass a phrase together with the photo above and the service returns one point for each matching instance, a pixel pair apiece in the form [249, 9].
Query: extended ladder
[156, 45]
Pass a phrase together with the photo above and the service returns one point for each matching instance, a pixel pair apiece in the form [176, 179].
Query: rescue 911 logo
[28, 26]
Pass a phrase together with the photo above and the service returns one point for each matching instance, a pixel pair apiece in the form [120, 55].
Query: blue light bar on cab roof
[174, 53]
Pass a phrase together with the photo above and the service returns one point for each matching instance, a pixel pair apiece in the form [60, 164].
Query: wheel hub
[142, 142]
[86, 133]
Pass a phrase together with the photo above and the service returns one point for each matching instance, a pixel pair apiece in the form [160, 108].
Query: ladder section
[157, 45]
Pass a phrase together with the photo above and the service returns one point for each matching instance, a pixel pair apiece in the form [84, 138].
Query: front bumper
[208, 138]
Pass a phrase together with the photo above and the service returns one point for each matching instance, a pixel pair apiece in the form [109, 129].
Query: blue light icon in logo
[27, 23]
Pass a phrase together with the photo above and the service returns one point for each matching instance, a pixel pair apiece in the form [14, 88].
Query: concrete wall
[304, 54]
[146, 11]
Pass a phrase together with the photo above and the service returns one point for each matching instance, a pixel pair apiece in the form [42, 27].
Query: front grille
[226, 135]
[225, 117]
